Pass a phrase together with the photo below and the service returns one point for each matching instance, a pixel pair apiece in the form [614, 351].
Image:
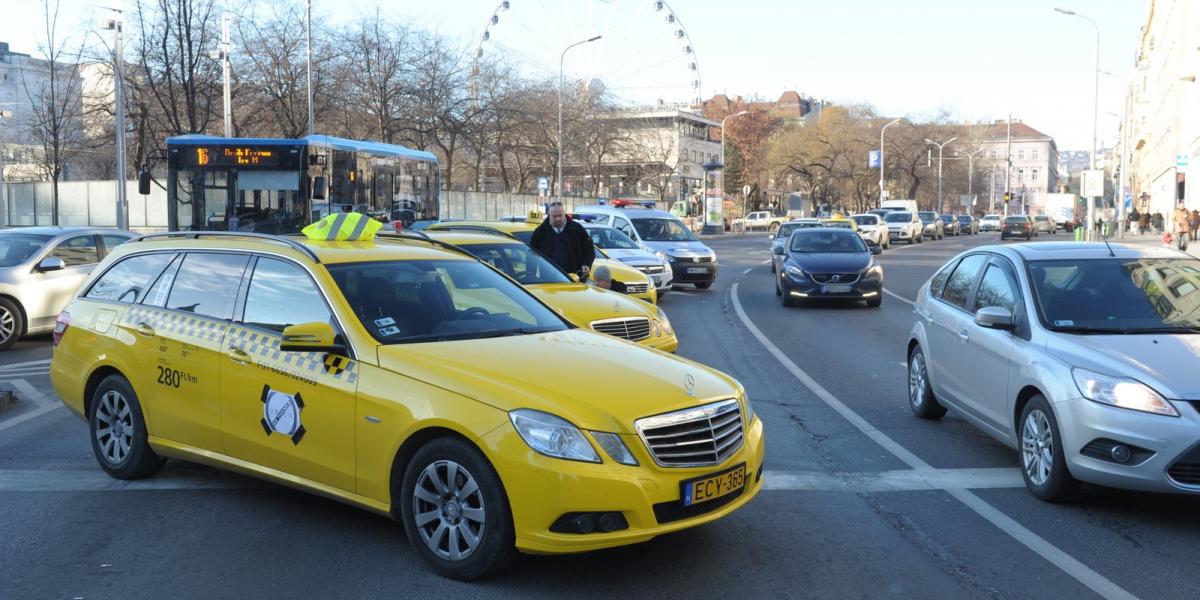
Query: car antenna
[1109, 246]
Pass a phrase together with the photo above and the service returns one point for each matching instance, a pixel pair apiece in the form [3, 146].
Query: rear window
[126, 280]
[866, 219]
[1040, 218]
[1016, 220]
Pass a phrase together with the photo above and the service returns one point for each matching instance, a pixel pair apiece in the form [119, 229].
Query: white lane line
[17, 420]
[45, 362]
[899, 297]
[24, 390]
[903, 364]
[765, 262]
[94, 480]
[747, 270]
[1069, 564]
[894, 481]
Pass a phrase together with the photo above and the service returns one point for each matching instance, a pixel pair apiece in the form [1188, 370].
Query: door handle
[239, 355]
[962, 335]
[144, 328]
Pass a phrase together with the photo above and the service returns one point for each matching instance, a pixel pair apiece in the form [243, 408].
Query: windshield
[412, 301]
[663, 230]
[1040, 218]
[927, 216]
[838, 224]
[947, 218]
[841, 242]
[866, 219]
[1118, 295]
[519, 262]
[992, 218]
[16, 248]
[611, 239]
[898, 217]
[786, 229]
[964, 218]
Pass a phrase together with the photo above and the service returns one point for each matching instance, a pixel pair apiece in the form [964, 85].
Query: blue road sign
[873, 159]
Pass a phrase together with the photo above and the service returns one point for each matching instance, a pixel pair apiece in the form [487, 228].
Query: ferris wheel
[630, 52]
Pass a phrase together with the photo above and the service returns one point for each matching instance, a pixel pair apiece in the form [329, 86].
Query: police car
[404, 377]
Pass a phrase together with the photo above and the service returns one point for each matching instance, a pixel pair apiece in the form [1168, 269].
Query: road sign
[745, 190]
[1093, 183]
[873, 159]
[543, 184]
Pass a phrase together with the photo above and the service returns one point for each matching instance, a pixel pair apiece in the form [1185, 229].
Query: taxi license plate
[835, 289]
[711, 487]
[697, 270]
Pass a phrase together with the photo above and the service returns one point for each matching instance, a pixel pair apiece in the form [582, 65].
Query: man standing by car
[565, 242]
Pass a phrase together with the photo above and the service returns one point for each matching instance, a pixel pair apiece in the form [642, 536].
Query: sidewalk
[1154, 241]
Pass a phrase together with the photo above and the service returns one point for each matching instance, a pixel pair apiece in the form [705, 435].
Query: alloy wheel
[448, 510]
[1037, 447]
[7, 324]
[916, 379]
[114, 427]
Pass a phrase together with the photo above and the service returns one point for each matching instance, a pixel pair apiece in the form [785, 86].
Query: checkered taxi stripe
[197, 328]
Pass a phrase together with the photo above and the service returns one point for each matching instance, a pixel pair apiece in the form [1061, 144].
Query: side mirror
[51, 263]
[144, 183]
[574, 277]
[318, 187]
[994, 317]
[780, 250]
[310, 337]
[876, 250]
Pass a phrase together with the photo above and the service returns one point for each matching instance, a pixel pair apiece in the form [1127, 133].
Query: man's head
[557, 215]
[603, 277]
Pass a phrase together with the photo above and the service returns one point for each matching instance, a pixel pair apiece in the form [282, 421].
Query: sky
[977, 59]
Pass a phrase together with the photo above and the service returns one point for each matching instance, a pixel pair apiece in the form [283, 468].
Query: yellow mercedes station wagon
[405, 377]
[586, 306]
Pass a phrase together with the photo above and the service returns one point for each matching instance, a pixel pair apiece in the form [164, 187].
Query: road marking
[17, 420]
[24, 390]
[45, 362]
[95, 480]
[747, 270]
[899, 297]
[894, 481]
[765, 262]
[1069, 564]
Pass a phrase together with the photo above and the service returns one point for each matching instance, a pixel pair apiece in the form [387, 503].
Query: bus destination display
[239, 156]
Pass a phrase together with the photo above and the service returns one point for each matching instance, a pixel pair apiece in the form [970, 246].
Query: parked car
[1079, 356]
[828, 263]
[934, 228]
[41, 268]
[1017, 226]
[950, 225]
[905, 226]
[968, 224]
[990, 223]
[873, 229]
[664, 234]
[613, 244]
[1044, 224]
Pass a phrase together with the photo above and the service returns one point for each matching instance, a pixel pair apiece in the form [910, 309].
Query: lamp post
[882, 164]
[1091, 208]
[940, 146]
[115, 25]
[561, 58]
[223, 56]
[971, 173]
[308, 26]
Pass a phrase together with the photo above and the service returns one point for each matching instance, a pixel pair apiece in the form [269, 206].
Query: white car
[989, 223]
[873, 230]
[1044, 224]
[905, 226]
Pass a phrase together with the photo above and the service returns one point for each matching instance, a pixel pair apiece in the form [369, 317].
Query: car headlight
[665, 322]
[795, 271]
[669, 257]
[1121, 392]
[615, 448]
[875, 272]
[661, 255]
[656, 328]
[552, 436]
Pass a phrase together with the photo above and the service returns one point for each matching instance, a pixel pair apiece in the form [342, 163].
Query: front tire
[875, 302]
[455, 511]
[1043, 465]
[118, 431]
[12, 324]
[920, 395]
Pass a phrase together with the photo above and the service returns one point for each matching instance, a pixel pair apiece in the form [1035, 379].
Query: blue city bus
[280, 185]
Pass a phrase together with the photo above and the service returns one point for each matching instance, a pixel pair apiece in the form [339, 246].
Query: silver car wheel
[916, 379]
[7, 324]
[114, 427]
[1037, 447]
[448, 510]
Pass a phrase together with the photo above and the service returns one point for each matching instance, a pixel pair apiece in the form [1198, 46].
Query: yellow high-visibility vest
[343, 227]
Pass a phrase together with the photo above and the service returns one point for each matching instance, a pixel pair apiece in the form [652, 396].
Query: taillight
[60, 326]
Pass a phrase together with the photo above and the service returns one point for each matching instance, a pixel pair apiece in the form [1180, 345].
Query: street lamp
[561, 58]
[1095, 103]
[115, 25]
[882, 164]
[223, 56]
[727, 117]
[940, 146]
[308, 26]
[971, 173]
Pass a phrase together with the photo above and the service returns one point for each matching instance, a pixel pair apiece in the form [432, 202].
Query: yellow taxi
[404, 377]
[584, 305]
[840, 221]
[637, 284]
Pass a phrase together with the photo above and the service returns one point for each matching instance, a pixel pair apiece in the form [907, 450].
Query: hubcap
[448, 510]
[114, 427]
[916, 379]
[7, 325]
[1037, 447]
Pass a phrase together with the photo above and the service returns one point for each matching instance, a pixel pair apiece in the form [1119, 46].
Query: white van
[900, 205]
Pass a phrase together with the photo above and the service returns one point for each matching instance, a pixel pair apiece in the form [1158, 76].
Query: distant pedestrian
[1195, 223]
[1144, 223]
[1156, 221]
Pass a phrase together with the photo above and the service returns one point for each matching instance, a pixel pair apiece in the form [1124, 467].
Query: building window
[1033, 175]
[1020, 174]
[1034, 157]
[1020, 155]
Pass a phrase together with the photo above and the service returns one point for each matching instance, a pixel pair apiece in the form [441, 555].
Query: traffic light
[1083, 200]
[1007, 196]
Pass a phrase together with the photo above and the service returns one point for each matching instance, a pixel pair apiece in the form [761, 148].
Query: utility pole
[308, 22]
[1008, 167]
[1126, 158]
[941, 146]
[225, 73]
[562, 57]
[882, 163]
[971, 173]
[119, 96]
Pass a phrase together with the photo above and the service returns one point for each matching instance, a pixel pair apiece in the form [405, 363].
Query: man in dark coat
[564, 242]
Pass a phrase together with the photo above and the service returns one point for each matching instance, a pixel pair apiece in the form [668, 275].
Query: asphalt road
[863, 499]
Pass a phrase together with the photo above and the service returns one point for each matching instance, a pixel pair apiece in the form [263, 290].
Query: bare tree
[181, 81]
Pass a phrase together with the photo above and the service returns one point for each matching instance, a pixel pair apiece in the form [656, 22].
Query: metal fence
[94, 204]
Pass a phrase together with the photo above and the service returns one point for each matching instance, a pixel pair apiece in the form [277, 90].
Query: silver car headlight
[1121, 392]
[552, 436]
[796, 272]
[661, 255]
[615, 448]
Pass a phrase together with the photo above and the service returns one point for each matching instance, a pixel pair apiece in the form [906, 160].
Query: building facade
[1032, 170]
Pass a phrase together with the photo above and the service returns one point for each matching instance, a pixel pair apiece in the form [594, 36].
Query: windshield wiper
[1126, 331]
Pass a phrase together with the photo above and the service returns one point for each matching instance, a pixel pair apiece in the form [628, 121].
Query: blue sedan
[828, 263]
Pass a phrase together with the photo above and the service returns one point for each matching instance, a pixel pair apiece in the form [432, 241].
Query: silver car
[40, 270]
[1082, 358]
[611, 243]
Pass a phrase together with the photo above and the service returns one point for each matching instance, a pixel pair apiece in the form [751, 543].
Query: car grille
[695, 259]
[634, 330]
[842, 278]
[637, 288]
[653, 270]
[1186, 470]
[701, 436]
